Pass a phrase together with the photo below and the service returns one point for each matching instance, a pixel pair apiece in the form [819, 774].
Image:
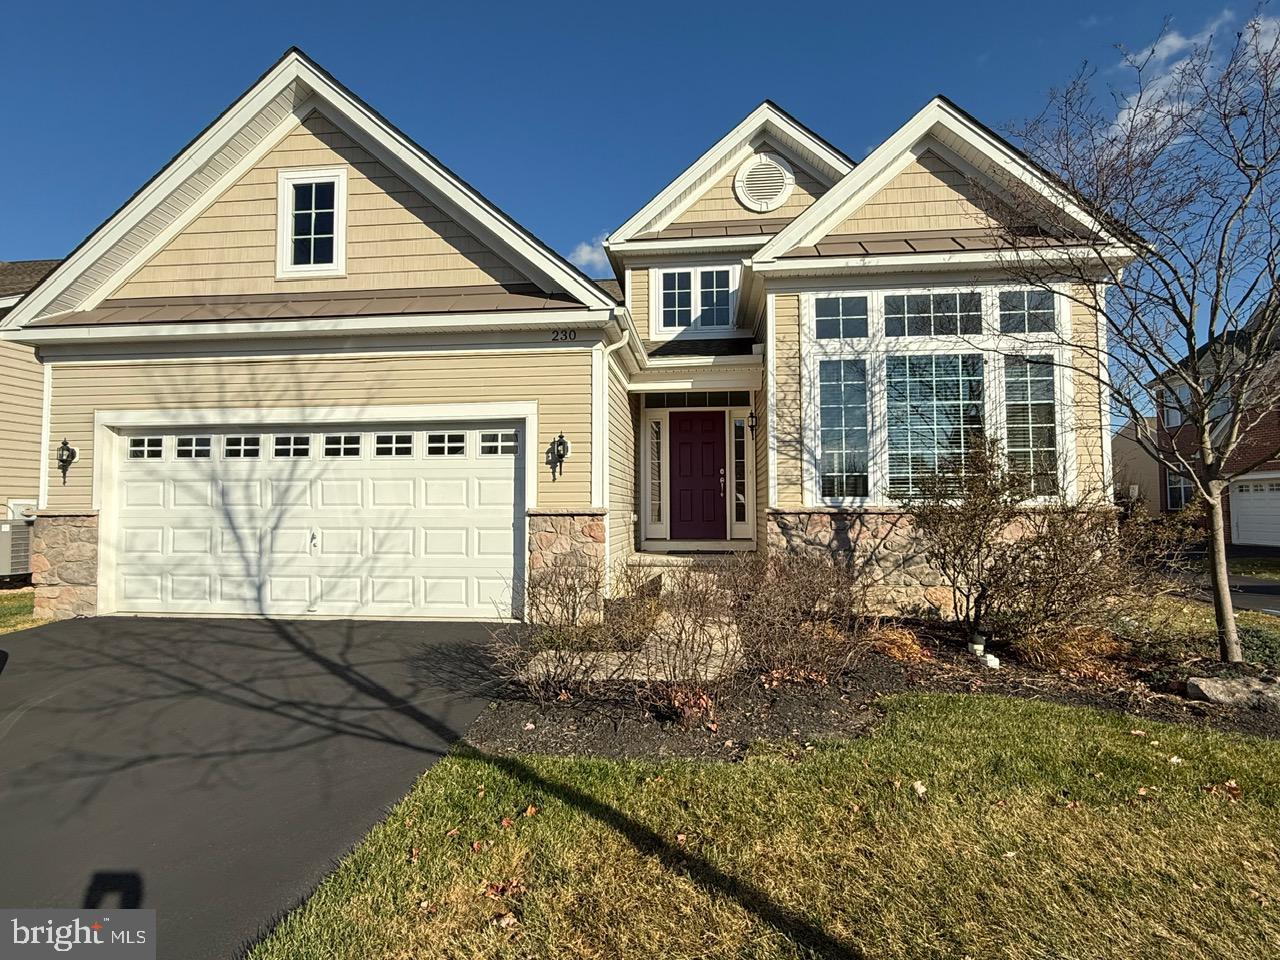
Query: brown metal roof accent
[923, 241]
[764, 227]
[304, 306]
[19, 276]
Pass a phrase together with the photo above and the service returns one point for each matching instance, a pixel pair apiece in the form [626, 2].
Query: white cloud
[1173, 43]
[590, 256]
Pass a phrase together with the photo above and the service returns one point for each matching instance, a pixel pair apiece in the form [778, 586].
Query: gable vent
[764, 182]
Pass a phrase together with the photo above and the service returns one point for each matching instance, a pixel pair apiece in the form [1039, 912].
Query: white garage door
[1255, 512]
[395, 521]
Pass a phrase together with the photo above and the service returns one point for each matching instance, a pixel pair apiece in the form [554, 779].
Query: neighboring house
[1138, 477]
[307, 369]
[21, 391]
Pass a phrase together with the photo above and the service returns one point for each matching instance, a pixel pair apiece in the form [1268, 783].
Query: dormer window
[311, 223]
[693, 301]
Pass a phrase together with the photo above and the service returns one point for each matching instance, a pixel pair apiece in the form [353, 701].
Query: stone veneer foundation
[881, 544]
[565, 536]
[64, 565]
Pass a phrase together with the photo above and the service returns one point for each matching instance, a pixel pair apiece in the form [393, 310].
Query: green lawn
[15, 610]
[1044, 831]
[1267, 568]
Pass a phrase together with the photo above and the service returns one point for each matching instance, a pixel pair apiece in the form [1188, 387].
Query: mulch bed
[798, 714]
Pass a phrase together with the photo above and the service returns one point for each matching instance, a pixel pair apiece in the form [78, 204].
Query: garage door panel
[419, 535]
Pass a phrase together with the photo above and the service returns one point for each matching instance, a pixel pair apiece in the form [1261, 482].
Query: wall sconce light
[67, 455]
[752, 420]
[557, 454]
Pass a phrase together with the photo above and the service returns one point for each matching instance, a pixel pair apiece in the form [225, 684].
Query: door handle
[721, 484]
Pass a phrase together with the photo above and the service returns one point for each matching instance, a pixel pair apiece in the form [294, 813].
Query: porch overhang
[699, 373]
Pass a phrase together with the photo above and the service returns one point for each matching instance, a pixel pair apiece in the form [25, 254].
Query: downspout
[607, 353]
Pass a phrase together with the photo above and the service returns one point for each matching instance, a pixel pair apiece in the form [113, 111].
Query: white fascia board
[335, 326]
[920, 262]
[757, 120]
[177, 172]
[840, 200]
[687, 379]
[10, 300]
[692, 245]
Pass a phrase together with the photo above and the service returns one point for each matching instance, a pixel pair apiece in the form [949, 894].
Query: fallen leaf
[480, 792]
[1137, 733]
[530, 810]
[414, 853]
[1175, 759]
[452, 833]
[528, 725]
[919, 788]
[477, 846]
[1233, 789]
[1142, 791]
[1009, 855]
[713, 726]
[507, 921]
[680, 839]
[507, 823]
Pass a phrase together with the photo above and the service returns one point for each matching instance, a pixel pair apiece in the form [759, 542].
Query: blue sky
[568, 116]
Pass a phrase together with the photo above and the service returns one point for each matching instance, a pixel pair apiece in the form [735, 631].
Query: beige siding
[396, 238]
[786, 419]
[928, 195]
[720, 202]
[622, 470]
[559, 381]
[1090, 432]
[763, 426]
[640, 299]
[21, 398]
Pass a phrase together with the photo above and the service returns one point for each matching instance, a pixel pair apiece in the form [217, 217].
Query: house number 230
[564, 335]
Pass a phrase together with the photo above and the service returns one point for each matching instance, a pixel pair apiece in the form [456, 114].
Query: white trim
[876, 347]
[599, 435]
[696, 546]
[330, 326]
[771, 399]
[914, 262]
[649, 529]
[696, 330]
[46, 424]
[764, 119]
[285, 181]
[691, 245]
[10, 300]
[1104, 395]
[107, 422]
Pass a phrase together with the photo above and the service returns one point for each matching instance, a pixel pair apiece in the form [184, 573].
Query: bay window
[900, 384]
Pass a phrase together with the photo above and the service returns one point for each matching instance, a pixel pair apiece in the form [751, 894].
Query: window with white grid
[446, 444]
[342, 445]
[146, 448]
[241, 448]
[1031, 430]
[842, 423]
[292, 445]
[1026, 311]
[933, 314]
[499, 442]
[934, 407]
[193, 448]
[393, 445]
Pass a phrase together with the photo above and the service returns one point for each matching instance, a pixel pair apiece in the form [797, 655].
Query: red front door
[697, 475]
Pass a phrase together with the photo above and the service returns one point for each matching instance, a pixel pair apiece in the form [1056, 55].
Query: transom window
[393, 445]
[1031, 421]
[1026, 311]
[935, 415]
[146, 448]
[446, 444]
[933, 314]
[840, 318]
[193, 448]
[241, 448]
[311, 222]
[694, 299]
[293, 445]
[499, 442]
[342, 445]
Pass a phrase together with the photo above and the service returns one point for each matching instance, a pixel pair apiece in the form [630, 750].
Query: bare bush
[799, 619]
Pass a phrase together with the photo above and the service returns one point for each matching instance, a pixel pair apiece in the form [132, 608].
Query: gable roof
[968, 142]
[292, 87]
[767, 120]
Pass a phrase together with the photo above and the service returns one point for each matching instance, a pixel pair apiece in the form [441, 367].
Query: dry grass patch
[15, 610]
[964, 826]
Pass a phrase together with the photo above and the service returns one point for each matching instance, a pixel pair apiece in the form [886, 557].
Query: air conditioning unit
[15, 541]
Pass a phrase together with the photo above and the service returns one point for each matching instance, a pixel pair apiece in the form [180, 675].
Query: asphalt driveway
[214, 770]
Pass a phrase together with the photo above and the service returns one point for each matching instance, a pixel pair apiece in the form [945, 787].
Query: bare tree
[1179, 169]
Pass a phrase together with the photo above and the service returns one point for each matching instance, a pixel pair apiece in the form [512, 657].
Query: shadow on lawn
[296, 683]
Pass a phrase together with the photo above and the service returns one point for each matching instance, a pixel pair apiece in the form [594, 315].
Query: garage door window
[446, 444]
[146, 448]
[498, 443]
[342, 445]
[241, 448]
[194, 448]
[293, 446]
[393, 445]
